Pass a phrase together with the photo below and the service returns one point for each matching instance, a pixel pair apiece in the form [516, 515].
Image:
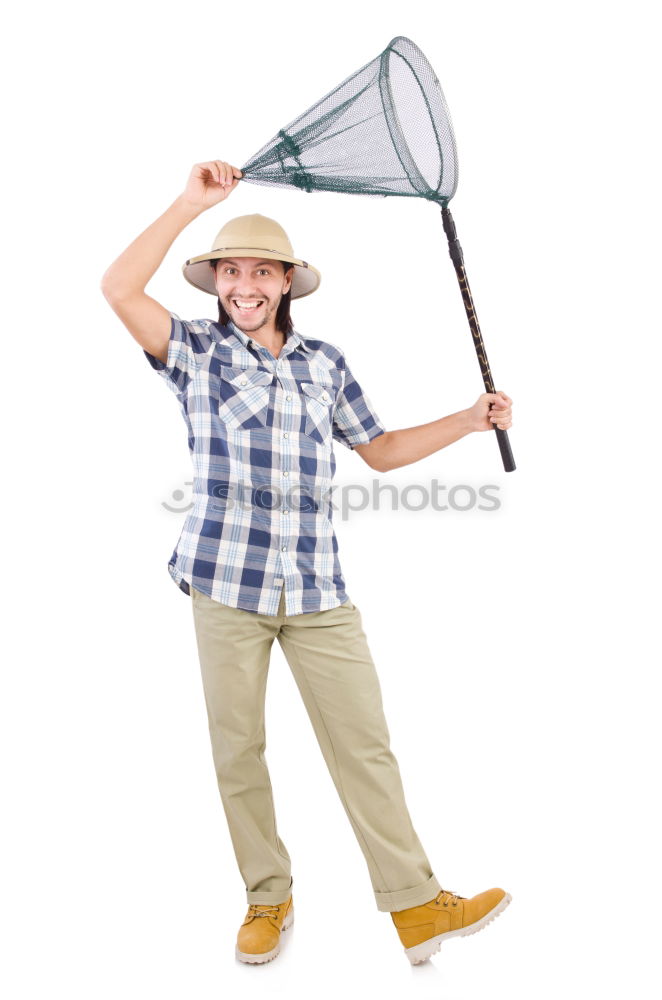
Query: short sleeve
[189, 342]
[354, 418]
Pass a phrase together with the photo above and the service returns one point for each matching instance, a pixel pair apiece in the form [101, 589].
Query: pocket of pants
[243, 397]
[319, 402]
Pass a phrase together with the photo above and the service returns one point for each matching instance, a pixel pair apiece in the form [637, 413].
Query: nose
[247, 291]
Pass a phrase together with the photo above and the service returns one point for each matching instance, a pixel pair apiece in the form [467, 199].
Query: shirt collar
[292, 338]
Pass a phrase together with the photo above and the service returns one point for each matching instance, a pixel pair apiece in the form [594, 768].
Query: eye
[265, 270]
[226, 269]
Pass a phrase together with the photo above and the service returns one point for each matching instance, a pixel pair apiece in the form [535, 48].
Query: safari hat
[252, 236]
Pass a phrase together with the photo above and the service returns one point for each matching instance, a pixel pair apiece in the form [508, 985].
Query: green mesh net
[385, 130]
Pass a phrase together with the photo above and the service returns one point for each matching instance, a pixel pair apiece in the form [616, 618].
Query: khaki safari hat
[252, 236]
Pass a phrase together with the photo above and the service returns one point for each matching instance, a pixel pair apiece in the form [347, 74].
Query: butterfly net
[385, 130]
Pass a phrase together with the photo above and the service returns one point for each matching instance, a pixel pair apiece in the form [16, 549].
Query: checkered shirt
[260, 433]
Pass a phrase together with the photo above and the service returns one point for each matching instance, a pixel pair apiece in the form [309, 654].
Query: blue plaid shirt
[260, 433]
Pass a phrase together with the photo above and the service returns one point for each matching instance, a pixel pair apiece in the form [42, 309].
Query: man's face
[250, 290]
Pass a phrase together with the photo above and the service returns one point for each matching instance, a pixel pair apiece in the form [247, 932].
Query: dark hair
[283, 318]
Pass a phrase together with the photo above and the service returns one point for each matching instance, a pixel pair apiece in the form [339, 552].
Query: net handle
[455, 251]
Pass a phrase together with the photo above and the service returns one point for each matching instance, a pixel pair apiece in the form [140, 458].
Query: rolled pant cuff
[389, 902]
[273, 896]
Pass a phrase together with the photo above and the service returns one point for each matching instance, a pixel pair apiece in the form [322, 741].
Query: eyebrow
[231, 260]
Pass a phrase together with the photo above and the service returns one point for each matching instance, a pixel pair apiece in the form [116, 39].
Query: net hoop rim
[391, 48]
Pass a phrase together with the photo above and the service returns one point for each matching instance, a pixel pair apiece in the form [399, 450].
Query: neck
[267, 336]
[273, 342]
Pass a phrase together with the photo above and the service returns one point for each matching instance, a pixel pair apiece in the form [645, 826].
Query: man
[258, 555]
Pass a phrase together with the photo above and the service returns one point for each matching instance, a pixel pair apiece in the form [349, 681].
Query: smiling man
[267, 281]
[258, 556]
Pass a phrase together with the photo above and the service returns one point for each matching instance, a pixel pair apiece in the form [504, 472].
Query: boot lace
[263, 909]
[452, 897]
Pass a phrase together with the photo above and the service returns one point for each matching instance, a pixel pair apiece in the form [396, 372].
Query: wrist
[466, 421]
[187, 209]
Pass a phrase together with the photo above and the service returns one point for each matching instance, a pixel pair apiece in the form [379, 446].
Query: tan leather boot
[423, 928]
[258, 939]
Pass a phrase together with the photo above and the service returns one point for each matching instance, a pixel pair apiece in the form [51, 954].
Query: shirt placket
[285, 462]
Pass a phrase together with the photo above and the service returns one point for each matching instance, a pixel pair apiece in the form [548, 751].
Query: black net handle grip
[456, 256]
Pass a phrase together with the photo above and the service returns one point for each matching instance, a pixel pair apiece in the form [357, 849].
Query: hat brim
[198, 273]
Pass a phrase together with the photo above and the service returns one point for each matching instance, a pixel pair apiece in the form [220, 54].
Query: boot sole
[257, 958]
[421, 952]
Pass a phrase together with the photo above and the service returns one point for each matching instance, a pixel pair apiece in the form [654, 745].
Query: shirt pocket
[243, 397]
[319, 400]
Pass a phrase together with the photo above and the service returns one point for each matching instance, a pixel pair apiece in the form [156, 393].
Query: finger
[220, 172]
[211, 166]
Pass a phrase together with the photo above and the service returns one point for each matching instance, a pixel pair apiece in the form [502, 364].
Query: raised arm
[123, 283]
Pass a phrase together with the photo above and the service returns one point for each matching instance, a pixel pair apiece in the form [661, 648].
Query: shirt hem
[184, 582]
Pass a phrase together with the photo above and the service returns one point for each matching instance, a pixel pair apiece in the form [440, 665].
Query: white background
[516, 648]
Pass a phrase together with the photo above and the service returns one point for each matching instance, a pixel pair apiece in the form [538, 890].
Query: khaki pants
[329, 657]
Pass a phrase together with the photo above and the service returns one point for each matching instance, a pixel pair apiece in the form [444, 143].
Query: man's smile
[247, 305]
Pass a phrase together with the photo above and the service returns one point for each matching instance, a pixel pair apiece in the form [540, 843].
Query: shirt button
[244, 381]
[283, 548]
[286, 473]
[288, 397]
[324, 397]
[286, 511]
[286, 434]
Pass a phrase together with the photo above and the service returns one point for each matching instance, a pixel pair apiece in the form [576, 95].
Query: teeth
[252, 304]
